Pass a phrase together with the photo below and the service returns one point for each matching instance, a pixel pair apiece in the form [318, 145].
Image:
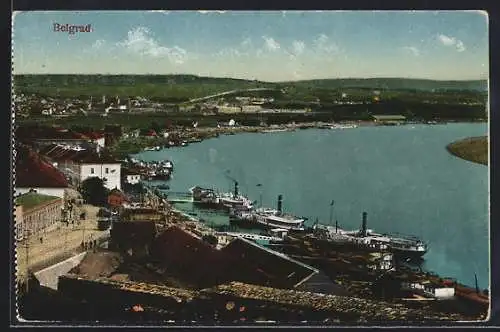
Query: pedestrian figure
[41, 239]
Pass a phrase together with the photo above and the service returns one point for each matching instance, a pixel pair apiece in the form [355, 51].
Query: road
[194, 100]
[64, 241]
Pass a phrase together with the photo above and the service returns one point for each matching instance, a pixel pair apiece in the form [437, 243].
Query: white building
[79, 165]
[429, 289]
[109, 172]
[131, 177]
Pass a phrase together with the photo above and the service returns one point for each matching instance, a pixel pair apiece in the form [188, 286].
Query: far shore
[473, 149]
[185, 136]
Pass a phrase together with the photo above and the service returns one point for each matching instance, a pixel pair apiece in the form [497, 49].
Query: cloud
[298, 47]
[271, 44]
[323, 44]
[247, 42]
[165, 12]
[242, 49]
[211, 11]
[412, 49]
[141, 41]
[229, 52]
[98, 44]
[451, 41]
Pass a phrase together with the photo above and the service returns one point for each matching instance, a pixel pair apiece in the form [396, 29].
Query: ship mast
[331, 211]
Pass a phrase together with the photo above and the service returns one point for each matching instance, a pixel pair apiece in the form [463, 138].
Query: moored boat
[401, 246]
[227, 201]
[266, 219]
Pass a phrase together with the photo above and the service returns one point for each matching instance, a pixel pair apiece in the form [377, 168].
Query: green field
[180, 88]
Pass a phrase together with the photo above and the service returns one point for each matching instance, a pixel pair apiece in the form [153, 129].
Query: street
[63, 240]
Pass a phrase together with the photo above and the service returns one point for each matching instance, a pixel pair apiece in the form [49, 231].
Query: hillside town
[75, 202]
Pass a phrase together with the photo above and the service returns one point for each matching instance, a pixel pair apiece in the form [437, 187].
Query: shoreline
[184, 137]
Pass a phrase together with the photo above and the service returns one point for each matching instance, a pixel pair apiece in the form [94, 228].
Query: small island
[473, 149]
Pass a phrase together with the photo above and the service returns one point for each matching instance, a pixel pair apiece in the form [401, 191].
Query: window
[107, 170]
[92, 170]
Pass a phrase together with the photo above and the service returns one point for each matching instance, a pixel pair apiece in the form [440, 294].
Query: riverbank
[186, 136]
[473, 149]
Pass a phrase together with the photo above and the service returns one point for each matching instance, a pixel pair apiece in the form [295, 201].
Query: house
[151, 134]
[117, 198]
[34, 173]
[102, 166]
[131, 176]
[81, 164]
[97, 138]
[44, 136]
[37, 213]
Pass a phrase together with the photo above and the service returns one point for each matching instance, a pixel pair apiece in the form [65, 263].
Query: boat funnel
[363, 226]
[477, 285]
[235, 189]
[280, 203]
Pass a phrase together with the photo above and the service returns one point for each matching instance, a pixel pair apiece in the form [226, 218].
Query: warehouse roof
[389, 117]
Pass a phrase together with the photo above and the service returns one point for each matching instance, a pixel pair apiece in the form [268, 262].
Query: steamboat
[209, 198]
[409, 247]
[264, 218]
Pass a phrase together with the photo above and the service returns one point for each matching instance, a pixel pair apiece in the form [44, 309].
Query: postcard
[262, 168]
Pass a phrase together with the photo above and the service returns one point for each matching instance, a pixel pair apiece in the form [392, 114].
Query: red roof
[34, 172]
[94, 135]
[57, 133]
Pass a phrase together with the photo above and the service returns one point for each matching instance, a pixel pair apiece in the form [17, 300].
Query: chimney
[363, 226]
[235, 189]
[280, 203]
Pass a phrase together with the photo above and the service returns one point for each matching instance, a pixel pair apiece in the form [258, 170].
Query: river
[402, 176]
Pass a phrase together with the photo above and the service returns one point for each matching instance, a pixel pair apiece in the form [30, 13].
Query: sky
[264, 45]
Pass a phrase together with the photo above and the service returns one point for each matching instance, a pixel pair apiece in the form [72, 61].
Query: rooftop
[55, 133]
[83, 156]
[34, 172]
[389, 117]
[32, 199]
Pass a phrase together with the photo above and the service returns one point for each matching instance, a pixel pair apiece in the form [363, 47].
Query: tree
[93, 191]
[156, 126]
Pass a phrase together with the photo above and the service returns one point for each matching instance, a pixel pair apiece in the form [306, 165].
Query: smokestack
[235, 189]
[280, 203]
[363, 226]
[477, 285]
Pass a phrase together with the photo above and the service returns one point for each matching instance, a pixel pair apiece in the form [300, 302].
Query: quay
[171, 265]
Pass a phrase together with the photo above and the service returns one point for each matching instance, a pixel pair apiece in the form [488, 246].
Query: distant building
[150, 133]
[389, 119]
[130, 176]
[37, 213]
